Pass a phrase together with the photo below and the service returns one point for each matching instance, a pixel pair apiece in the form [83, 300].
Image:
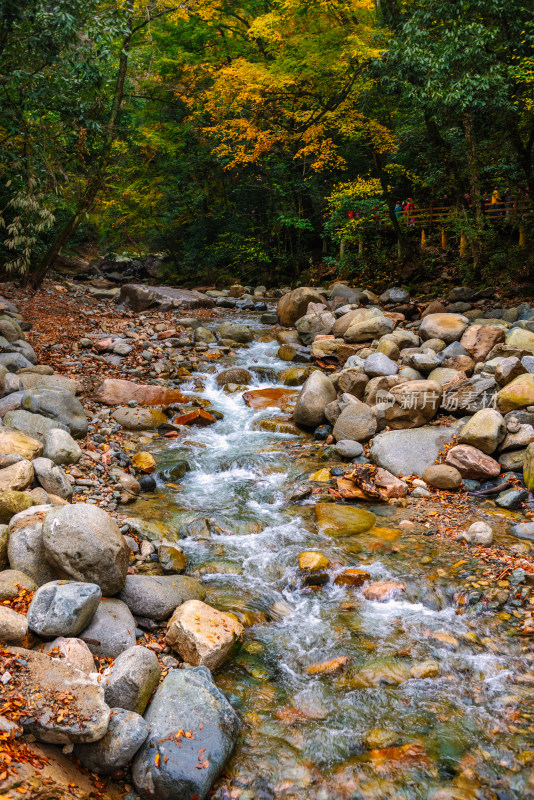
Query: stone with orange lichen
[383, 590]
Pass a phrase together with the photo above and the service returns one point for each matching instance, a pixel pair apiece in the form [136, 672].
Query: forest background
[270, 140]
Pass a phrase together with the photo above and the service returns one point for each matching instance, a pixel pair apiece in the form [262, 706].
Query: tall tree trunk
[96, 181]
[401, 238]
[477, 199]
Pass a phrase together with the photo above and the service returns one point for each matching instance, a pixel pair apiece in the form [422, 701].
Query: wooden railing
[511, 210]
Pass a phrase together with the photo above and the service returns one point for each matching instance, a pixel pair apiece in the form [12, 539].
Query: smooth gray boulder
[25, 548]
[126, 733]
[187, 700]
[349, 449]
[357, 421]
[315, 395]
[58, 405]
[60, 447]
[111, 630]
[12, 580]
[235, 331]
[14, 361]
[156, 596]
[410, 451]
[63, 608]
[52, 478]
[82, 542]
[379, 364]
[34, 425]
[132, 679]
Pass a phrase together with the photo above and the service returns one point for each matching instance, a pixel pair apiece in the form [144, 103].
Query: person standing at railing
[495, 202]
[398, 209]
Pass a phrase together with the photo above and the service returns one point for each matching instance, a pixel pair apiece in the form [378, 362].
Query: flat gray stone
[63, 608]
[156, 596]
[111, 630]
[126, 733]
[409, 452]
[132, 679]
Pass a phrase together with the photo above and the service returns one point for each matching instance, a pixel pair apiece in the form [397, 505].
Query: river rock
[472, 463]
[126, 733]
[352, 381]
[478, 340]
[187, 700]
[442, 476]
[338, 520]
[379, 364]
[12, 581]
[39, 684]
[234, 375]
[73, 652]
[52, 478]
[132, 678]
[356, 422]
[4, 538]
[343, 323]
[82, 542]
[522, 339]
[26, 551]
[13, 626]
[63, 608]
[371, 328]
[312, 561]
[519, 393]
[35, 426]
[171, 558]
[528, 467]
[293, 305]
[60, 447]
[202, 635]
[141, 297]
[409, 452]
[349, 449]
[115, 392]
[314, 396]
[111, 630]
[507, 369]
[58, 405]
[139, 419]
[235, 332]
[485, 430]
[156, 596]
[14, 361]
[319, 322]
[16, 477]
[15, 442]
[408, 405]
[449, 327]
[477, 533]
[202, 334]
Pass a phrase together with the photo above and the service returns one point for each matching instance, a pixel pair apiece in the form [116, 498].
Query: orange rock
[269, 398]
[394, 759]
[383, 590]
[349, 491]
[329, 667]
[115, 392]
[352, 577]
[196, 417]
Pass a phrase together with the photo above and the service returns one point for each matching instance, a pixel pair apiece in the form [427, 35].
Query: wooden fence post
[463, 245]
[522, 236]
[443, 239]
[423, 239]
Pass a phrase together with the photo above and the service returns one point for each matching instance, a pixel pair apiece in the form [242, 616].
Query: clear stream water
[466, 732]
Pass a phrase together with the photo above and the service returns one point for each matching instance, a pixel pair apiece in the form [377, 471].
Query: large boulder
[63, 608]
[448, 327]
[16, 443]
[341, 520]
[187, 701]
[13, 626]
[235, 332]
[12, 503]
[126, 733]
[60, 447]
[408, 405]
[115, 392]
[34, 426]
[202, 635]
[58, 405]
[73, 652]
[141, 297]
[409, 452]
[156, 596]
[33, 380]
[131, 679]
[314, 396]
[25, 547]
[237, 375]
[371, 328]
[139, 419]
[357, 421]
[486, 429]
[472, 463]
[111, 630]
[52, 478]
[293, 305]
[17, 477]
[62, 705]
[522, 339]
[320, 321]
[478, 340]
[519, 393]
[12, 581]
[82, 542]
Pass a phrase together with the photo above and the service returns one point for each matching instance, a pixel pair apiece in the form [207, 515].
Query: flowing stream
[436, 700]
